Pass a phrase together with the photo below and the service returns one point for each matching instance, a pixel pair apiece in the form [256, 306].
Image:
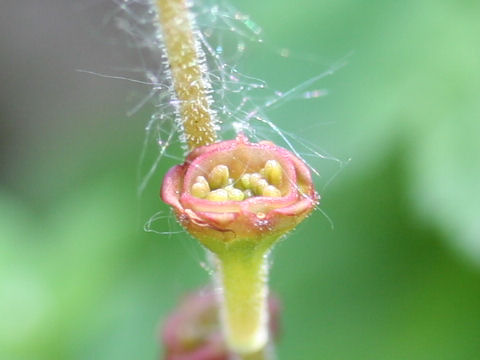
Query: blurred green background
[398, 277]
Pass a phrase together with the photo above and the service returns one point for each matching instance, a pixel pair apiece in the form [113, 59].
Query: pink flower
[236, 189]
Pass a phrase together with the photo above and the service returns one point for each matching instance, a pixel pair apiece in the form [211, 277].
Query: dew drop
[314, 94]
[261, 215]
[285, 52]
[241, 47]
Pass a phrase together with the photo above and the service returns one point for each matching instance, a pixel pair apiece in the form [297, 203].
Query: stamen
[218, 195]
[200, 190]
[271, 191]
[235, 194]
[248, 193]
[260, 185]
[254, 179]
[273, 172]
[202, 180]
[245, 181]
[218, 177]
[265, 182]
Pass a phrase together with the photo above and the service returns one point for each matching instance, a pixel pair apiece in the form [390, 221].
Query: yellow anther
[218, 195]
[248, 193]
[254, 179]
[271, 191]
[273, 172]
[200, 190]
[260, 185]
[245, 181]
[235, 194]
[202, 180]
[218, 176]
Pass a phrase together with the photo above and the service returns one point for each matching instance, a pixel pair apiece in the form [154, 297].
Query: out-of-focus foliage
[412, 81]
[398, 276]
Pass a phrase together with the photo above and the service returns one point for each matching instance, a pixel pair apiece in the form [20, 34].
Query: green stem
[242, 270]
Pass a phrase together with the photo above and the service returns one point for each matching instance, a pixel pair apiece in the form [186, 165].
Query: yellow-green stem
[185, 61]
[242, 274]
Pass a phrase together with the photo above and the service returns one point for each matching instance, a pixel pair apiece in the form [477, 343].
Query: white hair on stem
[239, 102]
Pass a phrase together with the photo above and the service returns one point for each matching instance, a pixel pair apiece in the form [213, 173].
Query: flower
[236, 189]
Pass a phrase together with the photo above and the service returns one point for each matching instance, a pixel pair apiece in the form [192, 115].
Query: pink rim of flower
[254, 217]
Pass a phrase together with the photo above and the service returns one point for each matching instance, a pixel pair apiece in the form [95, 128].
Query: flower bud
[193, 330]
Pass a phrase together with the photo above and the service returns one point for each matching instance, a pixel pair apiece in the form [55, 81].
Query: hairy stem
[242, 272]
[186, 62]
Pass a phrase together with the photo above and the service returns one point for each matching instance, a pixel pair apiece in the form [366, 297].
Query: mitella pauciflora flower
[238, 198]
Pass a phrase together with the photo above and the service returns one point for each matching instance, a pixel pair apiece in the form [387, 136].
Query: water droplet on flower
[261, 215]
